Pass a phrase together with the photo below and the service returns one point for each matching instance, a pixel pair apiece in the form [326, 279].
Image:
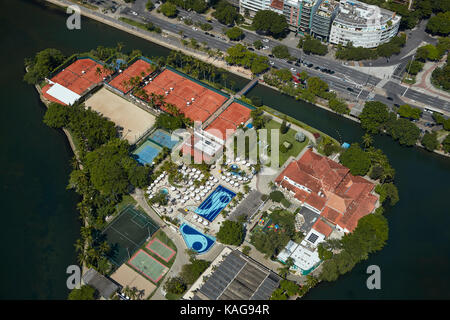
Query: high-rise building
[363, 25]
[322, 17]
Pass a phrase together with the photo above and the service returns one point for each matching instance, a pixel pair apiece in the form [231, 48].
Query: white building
[254, 6]
[364, 25]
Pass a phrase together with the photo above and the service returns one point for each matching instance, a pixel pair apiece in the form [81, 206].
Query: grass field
[289, 136]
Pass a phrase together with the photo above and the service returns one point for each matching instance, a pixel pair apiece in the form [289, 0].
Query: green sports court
[127, 233]
[160, 249]
[148, 266]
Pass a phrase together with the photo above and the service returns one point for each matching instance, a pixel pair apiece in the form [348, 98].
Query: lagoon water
[39, 217]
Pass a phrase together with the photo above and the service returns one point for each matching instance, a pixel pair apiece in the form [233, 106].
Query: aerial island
[193, 189]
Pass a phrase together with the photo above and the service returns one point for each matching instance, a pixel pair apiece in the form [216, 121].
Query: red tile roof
[346, 199]
[277, 4]
[322, 227]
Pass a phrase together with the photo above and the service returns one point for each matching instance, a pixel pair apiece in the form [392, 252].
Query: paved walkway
[423, 78]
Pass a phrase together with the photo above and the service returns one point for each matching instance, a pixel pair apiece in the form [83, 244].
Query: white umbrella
[238, 159]
[227, 179]
[202, 175]
[244, 162]
[200, 219]
[192, 188]
[197, 191]
[196, 176]
[150, 196]
[228, 174]
[191, 183]
[248, 164]
[148, 192]
[211, 178]
[216, 180]
[240, 178]
[197, 198]
[172, 188]
[205, 223]
[223, 177]
[182, 201]
[236, 184]
[202, 187]
[186, 197]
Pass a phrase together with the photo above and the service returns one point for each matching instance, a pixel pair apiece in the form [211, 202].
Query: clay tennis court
[233, 116]
[126, 276]
[123, 113]
[139, 68]
[77, 77]
[194, 100]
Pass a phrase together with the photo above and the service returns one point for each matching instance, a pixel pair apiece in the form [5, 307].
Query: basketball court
[128, 232]
[123, 113]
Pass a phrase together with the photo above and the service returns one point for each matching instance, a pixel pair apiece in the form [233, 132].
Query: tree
[414, 67]
[57, 115]
[374, 116]
[387, 191]
[258, 44]
[324, 254]
[367, 140]
[85, 292]
[230, 233]
[312, 45]
[42, 65]
[317, 86]
[403, 130]
[169, 122]
[330, 271]
[235, 33]
[175, 285]
[429, 141]
[276, 196]
[168, 9]
[284, 127]
[290, 287]
[439, 24]
[149, 5]
[406, 111]
[339, 106]
[278, 294]
[446, 144]
[281, 51]
[106, 167]
[356, 159]
[225, 13]
[191, 272]
[246, 250]
[270, 22]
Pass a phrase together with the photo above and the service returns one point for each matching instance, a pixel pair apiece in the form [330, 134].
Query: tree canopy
[85, 292]
[169, 9]
[270, 22]
[231, 233]
[42, 65]
[373, 117]
[356, 160]
[312, 45]
[406, 111]
[235, 33]
[225, 13]
[404, 131]
[439, 24]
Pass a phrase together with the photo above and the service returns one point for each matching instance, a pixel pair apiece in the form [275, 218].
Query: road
[360, 83]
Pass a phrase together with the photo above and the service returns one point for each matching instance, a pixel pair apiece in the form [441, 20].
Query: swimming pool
[216, 202]
[196, 240]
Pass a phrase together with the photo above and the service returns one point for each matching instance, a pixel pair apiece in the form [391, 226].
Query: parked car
[293, 70]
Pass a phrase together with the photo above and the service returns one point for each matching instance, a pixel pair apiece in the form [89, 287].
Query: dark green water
[40, 220]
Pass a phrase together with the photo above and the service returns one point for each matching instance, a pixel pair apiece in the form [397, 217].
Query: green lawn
[289, 136]
[126, 200]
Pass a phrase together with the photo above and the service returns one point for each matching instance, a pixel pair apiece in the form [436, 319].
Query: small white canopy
[228, 174]
[205, 223]
[238, 159]
[172, 188]
[63, 94]
[227, 179]
[236, 184]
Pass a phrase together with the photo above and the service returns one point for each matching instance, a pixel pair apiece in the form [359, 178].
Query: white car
[266, 48]
[271, 63]
[265, 40]
[194, 28]
[293, 70]
[134, 13]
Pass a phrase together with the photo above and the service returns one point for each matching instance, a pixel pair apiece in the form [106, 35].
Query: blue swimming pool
[196, 240]
[216, 202]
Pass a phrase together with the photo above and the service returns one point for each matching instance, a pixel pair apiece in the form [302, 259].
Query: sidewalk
[423, 83]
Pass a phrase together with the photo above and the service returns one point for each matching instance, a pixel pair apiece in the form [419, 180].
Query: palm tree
[367, 140]
[131, 292]
[79, 245]
[120, 46]
[311, 281]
